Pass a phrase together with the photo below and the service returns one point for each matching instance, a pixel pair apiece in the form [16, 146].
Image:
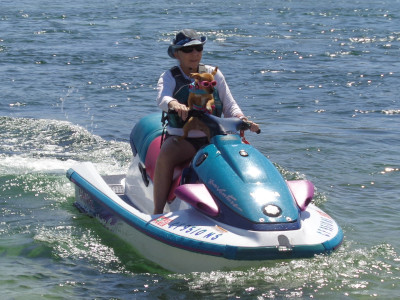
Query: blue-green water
[320, 77]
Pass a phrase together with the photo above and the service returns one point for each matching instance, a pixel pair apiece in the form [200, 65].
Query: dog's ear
[195, 76]
[215, 71]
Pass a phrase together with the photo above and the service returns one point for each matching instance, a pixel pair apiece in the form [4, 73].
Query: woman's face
[189, 62]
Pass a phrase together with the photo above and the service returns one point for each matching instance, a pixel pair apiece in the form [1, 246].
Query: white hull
[186, 240]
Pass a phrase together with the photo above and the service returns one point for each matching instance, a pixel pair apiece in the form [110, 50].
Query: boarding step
[116, 183]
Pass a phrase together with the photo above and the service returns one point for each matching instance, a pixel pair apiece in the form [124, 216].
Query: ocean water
[320, 77]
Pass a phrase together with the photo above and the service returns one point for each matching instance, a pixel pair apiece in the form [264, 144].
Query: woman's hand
[254, 127]
[181, 109]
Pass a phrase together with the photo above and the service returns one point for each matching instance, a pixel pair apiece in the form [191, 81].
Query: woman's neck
[188, 70]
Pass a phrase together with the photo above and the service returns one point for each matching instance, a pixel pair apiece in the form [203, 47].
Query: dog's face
[205, 81]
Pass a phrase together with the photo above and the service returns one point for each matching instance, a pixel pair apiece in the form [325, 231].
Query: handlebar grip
[247, 125]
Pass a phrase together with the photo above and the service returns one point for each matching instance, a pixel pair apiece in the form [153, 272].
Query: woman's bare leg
[173, 153]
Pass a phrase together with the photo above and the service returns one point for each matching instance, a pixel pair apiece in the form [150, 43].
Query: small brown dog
[200, 98]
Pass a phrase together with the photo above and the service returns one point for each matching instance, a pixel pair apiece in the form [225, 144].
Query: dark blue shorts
[197, 143]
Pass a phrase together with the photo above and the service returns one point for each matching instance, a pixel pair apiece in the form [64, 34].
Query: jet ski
[229, 207]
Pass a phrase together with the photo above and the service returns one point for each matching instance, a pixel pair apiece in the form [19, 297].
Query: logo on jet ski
[222, 193]
[199, 231]
[162, 221]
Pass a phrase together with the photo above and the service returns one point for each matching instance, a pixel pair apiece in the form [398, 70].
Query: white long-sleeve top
[166, 86]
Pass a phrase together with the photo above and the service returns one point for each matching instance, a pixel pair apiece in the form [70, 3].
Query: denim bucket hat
[185, 38]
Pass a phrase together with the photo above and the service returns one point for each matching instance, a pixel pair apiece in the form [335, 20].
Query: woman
[173, 91]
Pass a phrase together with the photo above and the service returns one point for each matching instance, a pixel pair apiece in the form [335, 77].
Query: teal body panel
[251, 179]
[144, 132]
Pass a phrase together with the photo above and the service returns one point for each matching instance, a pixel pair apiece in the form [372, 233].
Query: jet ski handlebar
[219, 126]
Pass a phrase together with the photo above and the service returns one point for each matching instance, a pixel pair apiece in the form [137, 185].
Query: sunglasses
[208, 83]
[190, 49]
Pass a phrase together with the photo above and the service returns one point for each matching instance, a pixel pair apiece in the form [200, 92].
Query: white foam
[17, 164]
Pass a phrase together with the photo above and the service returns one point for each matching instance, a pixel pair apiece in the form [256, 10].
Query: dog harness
[202, 108]
[181, 93]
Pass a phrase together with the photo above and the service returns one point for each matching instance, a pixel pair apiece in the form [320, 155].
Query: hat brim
[173, 48]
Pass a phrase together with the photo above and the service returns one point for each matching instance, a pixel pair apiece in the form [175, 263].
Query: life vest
[181, 93]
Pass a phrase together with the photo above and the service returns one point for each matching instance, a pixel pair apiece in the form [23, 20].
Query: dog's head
[205, 81]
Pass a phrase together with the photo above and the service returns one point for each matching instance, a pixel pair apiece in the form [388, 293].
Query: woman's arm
[165, 87]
